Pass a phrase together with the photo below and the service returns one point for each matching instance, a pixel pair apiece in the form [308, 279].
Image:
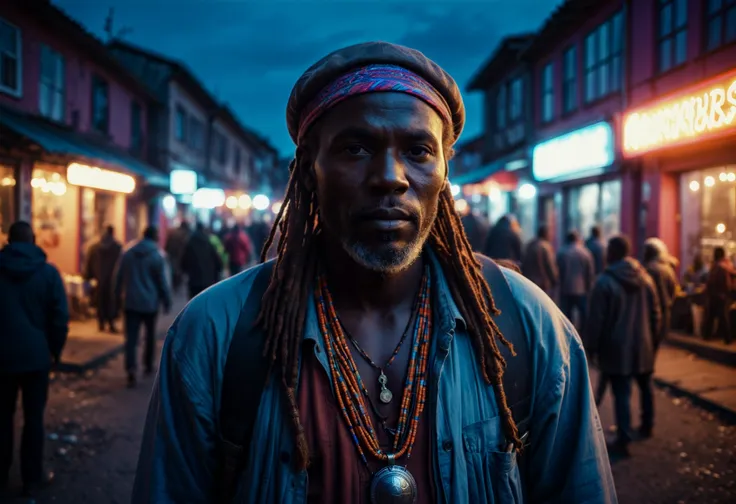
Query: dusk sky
[249, 53]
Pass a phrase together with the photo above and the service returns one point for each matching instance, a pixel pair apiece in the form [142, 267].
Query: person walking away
[597, 249]
[201, 261]
[35, 322]
[377, 273]
[620, 334]
[239, 249]
[577, 272]
[258, 230]
[176, 242]
[719, 288]
[141, 289]
[658, 264]
[539, 263]
[695, 278]
[504, 240]
[220, 248]
[476, 228]
[101, 261]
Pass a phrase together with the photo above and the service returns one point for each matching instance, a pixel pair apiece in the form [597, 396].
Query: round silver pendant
[385, 396]
[393, 485]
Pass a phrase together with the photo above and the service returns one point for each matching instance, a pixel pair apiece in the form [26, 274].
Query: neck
[354, 287]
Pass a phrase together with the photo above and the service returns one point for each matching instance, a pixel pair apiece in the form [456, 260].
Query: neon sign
[97, 178]
[574, 154]
[704, 113]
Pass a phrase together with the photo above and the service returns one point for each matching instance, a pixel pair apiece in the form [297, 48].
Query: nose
[388, 175]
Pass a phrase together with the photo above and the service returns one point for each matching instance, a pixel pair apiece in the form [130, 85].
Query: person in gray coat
[577, 272]
[539, 262]
[623, 322]
[659, 264]
[597, 249]
[141, 289]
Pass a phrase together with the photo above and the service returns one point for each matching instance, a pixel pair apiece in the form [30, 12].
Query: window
[236, 160]
[672, 33]
[136, 139]
[515, 107]
[10, 59]
[51, 84]
[501, 107]
[220, 146]
[570, 80]
[548, 93]
[603, 59]
[721, 19]
[100, 105]
[7, 200]
[196, 134]
[181, 124]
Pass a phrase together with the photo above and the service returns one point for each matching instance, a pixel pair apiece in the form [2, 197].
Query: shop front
[685, 146]
[579, 182]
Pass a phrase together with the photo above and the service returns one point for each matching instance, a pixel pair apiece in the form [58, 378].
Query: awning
[55, 139]
[478, 175]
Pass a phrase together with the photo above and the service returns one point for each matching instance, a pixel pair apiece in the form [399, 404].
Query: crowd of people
[622, 307]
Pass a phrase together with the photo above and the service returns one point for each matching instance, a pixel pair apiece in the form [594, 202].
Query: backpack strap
[242, 385]
[517, 377]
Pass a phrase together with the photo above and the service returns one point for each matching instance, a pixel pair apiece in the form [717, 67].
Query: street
[690, 460]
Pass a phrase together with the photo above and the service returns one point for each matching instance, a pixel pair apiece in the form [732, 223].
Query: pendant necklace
[393, 484]
[385, 395]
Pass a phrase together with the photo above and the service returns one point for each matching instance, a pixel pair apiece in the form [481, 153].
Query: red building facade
[72, 135]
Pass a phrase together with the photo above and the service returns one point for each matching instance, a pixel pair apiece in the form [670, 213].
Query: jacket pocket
[493, 474]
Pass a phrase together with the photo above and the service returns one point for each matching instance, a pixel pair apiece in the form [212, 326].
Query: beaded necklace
[350, 390]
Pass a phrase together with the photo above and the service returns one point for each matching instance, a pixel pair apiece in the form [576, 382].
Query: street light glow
[527, 191]
[260, 202]
[694, 186]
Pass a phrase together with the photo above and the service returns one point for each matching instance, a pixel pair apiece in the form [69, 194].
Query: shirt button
[447, 446]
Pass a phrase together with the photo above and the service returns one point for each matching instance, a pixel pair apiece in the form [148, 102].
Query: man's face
[379, 170]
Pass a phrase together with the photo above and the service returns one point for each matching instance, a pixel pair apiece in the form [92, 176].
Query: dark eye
[419, 152]
[356, 150]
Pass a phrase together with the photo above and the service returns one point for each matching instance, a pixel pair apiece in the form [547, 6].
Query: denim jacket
[566, 461]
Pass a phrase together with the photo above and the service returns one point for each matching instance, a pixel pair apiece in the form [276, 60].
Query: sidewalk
[86, 348]
[710, 384]
[714, 350]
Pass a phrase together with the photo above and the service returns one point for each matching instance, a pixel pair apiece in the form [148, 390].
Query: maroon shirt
[337, 474]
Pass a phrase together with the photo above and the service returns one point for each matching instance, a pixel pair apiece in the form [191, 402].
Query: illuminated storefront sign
[183, 182]
[208, 198]
[97, 178]
[575, 154]
[705, 112]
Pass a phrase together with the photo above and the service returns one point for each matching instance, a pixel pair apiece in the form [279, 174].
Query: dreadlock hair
[285, 301]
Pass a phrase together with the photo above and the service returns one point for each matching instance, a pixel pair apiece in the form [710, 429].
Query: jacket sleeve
[655, 312]
[177, 456]
[550, 265]
[58, 318]
[597, 320]
[162, 283]
[119, 277]
[568, 461]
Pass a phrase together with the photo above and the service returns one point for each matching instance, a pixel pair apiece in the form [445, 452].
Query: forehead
[382, 113]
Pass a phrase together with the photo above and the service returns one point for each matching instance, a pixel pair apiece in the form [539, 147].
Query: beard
[387, 258]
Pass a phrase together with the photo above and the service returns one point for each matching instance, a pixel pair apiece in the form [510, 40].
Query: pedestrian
[141, 289]
[539, 263]
[102, 258]
[35, 322]
[258, 230]
[658, 264]
[201, 261]
[620, 333]
[239, 249]
[362, 283]
[719, 289]
[597, 249]
[476, 229]
[504, 240]
[577, 272]
[176, 242]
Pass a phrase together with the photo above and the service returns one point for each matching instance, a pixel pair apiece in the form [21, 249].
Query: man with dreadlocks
[379, 328]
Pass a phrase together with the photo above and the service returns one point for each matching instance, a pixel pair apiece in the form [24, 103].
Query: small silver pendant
[385, 395]
[393, 485]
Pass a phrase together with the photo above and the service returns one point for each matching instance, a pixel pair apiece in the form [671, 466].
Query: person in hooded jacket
[201, 261]
[35, 318]
[620, 333]
[101, 261]
[142, 288]
[659, 265]
[539, 263]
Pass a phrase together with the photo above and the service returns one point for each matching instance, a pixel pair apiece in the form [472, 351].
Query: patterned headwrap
[372, 79]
